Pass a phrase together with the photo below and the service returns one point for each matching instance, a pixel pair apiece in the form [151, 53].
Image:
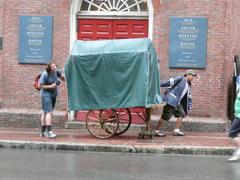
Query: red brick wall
[209, 90]
[17, 79]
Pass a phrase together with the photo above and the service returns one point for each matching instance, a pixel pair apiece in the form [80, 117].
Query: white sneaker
[159, 133]
[177, 132]
[235, 156]
[49, 134]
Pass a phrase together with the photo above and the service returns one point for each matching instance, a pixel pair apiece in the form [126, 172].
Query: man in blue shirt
[177, 94]
[49, 83]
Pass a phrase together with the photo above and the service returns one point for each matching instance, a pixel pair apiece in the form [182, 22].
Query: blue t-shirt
[48, 79]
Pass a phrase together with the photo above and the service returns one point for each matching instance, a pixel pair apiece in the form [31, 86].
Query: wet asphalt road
[48, 165]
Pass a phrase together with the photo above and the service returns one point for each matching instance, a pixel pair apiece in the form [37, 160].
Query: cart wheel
[102, 123]
[125, 119]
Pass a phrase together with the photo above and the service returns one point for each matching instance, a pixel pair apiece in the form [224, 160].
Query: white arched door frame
[75, 8]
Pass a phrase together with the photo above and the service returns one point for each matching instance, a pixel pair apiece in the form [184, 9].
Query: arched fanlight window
[108, 7]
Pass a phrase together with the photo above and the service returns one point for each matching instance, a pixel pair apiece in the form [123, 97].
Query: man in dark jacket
[178, 101]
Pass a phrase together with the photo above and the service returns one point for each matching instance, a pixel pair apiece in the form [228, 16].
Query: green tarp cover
[107, 74]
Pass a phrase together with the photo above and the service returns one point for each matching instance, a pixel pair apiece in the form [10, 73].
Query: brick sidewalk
[81, 140]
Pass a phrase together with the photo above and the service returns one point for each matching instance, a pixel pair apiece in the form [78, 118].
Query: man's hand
[53, 86]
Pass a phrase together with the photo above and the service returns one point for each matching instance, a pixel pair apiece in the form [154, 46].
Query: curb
[190, 150]
[208, 125]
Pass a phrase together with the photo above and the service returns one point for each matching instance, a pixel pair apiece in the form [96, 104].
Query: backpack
[36, 83]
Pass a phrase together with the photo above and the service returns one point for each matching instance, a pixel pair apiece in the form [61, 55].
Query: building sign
[188, 42]
[35, 44]
[1, 43]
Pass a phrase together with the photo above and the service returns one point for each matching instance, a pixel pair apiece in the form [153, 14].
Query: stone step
[190, 124]
[30, 118]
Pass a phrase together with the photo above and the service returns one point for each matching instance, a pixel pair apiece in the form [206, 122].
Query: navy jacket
[175, 89]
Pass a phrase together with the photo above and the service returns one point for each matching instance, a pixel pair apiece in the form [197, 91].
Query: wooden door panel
[94, 29]
[130, 29]
[139, 29]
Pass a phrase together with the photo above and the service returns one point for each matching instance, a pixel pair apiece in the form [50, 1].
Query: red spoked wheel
[102, 124]
[125, 119]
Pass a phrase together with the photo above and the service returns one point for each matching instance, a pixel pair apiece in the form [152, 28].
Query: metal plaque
[188, 42]
[35, 44]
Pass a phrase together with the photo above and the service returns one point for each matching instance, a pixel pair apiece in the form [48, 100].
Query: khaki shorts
[169, 111]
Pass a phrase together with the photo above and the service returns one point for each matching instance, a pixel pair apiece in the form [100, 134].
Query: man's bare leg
[157, 132]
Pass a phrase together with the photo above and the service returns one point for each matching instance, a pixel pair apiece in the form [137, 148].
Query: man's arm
[171, 82]
[62, 77]
[52, 86]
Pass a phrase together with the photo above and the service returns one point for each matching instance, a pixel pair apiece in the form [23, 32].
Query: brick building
[153, 16]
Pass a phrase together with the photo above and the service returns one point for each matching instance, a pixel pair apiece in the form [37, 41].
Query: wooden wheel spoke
[120, 128]
[96, 114]
[121, 114]
[108, 129]
[92, 118]
[123, 120]
[113, 124]
[111, 119]
[95, 125]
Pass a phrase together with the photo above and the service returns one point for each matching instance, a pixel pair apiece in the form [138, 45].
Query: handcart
[110, 78]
